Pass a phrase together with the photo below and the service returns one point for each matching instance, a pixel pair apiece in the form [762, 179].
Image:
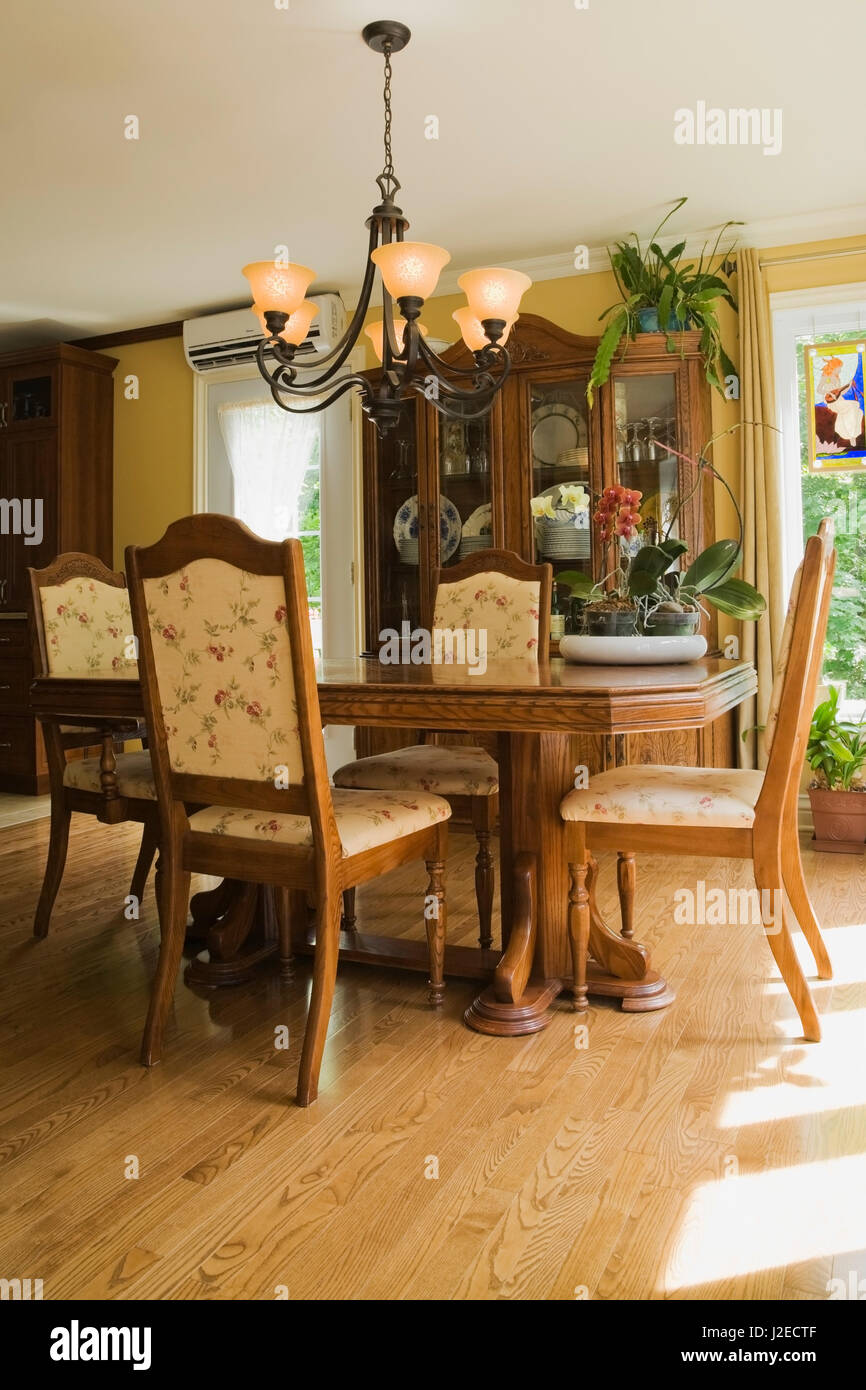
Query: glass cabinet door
[28, 398]
[645, 409]
[400, 541]
[463, 459]
[563, 483]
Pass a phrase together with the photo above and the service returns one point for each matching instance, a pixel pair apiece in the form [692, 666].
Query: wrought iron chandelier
[410, 271]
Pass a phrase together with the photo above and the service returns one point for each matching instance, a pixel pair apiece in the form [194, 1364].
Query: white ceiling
[262, 126]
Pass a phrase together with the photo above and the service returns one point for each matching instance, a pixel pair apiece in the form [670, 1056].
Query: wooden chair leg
[436, 920]
[484, 869]
[174, 902]
[578, 923]
[349, 917]
[324, 979]
[625, 882]
[795, 885]
[146, 854]
[283, 910]
[57, 846]
[768, 877]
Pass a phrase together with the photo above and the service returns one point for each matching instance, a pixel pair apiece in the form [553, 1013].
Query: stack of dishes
[477, 533]
[408, 551]
[559, 540]
[573, 458]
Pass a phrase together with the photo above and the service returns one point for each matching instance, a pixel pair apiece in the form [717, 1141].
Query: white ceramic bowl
[633, 651]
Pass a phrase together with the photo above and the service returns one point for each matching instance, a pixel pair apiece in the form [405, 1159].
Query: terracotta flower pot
[840, 820]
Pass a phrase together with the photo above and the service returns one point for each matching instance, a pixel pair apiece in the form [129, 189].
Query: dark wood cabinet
[460, 486]
[56, 494]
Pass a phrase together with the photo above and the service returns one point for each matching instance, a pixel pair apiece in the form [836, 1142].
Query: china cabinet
[436, 490]
[56, 452]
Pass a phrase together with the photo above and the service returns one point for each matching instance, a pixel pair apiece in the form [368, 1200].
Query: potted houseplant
[662, 294]
[664, 600]
[836, 754]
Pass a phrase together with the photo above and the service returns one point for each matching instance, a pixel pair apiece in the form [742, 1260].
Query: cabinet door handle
[5, 687]
[5, 745]
[3, 583]
[3, 420]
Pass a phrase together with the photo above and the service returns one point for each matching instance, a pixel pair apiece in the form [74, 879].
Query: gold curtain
[760, 498]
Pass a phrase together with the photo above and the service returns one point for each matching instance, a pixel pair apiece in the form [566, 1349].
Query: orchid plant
[570, 508]
[649, 579]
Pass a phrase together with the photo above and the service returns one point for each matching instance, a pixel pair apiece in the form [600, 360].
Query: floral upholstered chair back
[223, 664]
[88, 628]
[507, 609]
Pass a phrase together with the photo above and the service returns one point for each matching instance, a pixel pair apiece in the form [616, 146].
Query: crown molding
[833, 224]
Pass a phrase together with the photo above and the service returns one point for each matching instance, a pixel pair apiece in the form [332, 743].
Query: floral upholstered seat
[364, 820]
[446, 771]
[657, 795]
[134, 775]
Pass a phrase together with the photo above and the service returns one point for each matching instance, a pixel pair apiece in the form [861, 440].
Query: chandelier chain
[388, 170]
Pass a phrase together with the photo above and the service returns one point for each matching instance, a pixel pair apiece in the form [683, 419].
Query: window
[287, 475]
[809, 496]
[275, 462]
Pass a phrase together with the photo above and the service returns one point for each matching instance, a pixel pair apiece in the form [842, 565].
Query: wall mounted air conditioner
[230, 340]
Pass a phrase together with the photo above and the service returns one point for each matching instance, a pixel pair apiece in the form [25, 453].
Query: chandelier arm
[480, 374]
[334, 360]
[345, 384]
[438, 364]
[459, 413]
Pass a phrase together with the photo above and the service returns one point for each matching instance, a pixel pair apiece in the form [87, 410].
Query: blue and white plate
[406, 525]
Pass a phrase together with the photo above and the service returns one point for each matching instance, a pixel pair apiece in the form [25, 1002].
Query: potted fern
[660, 293]
[836, 754]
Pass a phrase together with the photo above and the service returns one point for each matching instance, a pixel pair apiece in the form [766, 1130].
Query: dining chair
[734, 813]
[80, 625]
[496, 591]
[229, 687]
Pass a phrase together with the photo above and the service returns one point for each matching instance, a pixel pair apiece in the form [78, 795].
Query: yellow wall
[152, 442]
[153, 437]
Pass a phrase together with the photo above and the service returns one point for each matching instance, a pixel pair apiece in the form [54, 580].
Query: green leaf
[608, 344]
[713, 564]
[839, 751]
[665, 298]
[579, 584]
[650, 559]
[738, 599]
[642, 584]
[673, 547]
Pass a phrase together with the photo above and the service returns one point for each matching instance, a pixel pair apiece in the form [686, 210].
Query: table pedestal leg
[239, 923]
[535, 773]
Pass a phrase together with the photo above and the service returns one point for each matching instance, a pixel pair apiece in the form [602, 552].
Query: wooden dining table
[535, 709]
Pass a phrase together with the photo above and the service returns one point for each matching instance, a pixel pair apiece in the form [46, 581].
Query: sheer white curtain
[269, 451]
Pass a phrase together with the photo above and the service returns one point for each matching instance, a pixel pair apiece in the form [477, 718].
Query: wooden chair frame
[60, 737]
[482, 811]
[772, 842]
[321, 870]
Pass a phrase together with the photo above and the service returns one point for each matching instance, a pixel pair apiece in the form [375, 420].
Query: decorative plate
[633, 651]
[555, 429]
[406, 525]
[480, 522]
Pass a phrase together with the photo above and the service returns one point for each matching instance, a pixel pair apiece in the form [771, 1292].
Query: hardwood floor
[701, 1151]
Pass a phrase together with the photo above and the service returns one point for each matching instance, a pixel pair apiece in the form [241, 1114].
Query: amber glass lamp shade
[277, 286]
[473, 334]
[494, 293]
[376, 333]
[410, 267]
[297, 324]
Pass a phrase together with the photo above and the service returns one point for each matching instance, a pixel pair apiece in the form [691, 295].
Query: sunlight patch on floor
[766, 1220]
